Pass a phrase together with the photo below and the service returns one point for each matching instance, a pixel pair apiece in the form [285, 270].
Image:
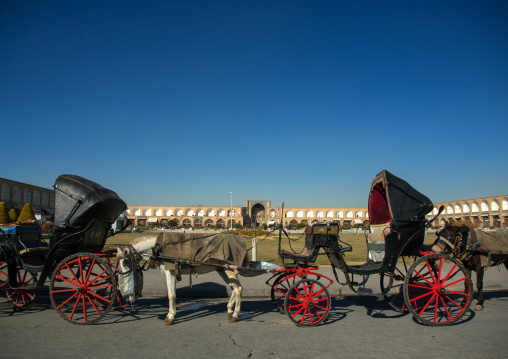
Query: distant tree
[27, 214]
[172, 223]
[4, 215]
[466, 223]
[13, 215]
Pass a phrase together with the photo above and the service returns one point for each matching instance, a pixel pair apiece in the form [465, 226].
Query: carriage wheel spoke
[450, 272]
[433, 278]
[66, 279]
[425, 279]
[428, 303]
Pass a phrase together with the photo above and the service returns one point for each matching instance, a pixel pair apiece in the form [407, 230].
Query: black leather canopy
[393, 200]
[78, 201]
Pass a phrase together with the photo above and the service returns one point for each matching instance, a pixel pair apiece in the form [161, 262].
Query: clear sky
[302, 102]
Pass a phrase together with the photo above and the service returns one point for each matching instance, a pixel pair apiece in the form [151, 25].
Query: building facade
[486, 212]
[256, 213]
[15, 194]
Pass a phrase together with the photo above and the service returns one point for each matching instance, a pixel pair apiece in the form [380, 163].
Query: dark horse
[461, 243]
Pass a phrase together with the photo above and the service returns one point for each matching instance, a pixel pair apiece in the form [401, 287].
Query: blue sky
[183, 102]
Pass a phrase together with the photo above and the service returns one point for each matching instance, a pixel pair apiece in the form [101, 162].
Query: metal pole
[254, 249]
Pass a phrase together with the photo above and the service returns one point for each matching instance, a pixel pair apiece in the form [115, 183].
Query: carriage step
[365, 291]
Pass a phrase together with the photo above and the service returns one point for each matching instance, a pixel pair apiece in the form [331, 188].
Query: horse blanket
[489, 241]
[214, 248]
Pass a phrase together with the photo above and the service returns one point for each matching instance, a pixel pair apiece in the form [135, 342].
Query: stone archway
[257, 210]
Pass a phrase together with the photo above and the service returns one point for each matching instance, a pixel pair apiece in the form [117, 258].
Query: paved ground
[358, 327]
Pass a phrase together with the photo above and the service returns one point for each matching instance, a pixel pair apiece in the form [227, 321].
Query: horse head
[451, 239]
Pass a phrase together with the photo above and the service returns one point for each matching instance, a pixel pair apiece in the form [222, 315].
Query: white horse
[145, 244]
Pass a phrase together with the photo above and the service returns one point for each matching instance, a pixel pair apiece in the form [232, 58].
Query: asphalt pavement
[357, 327]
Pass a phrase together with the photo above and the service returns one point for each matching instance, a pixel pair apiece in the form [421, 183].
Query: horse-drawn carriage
[83, 284]
[436, 288]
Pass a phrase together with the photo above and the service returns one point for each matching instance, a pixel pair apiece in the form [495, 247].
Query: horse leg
[171, 285]
[235, 300]
[466, 289]
[479, 286]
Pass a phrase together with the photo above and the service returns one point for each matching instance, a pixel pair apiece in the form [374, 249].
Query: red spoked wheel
[280, 288]
[438, 290]
[83, 288]
[27, 290]
[307, 302]
[395, 298]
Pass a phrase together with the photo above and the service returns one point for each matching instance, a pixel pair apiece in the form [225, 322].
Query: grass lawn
[267, 248]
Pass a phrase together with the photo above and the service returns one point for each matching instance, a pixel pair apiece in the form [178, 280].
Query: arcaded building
[483, 212]
[486, 212]
[255, 213]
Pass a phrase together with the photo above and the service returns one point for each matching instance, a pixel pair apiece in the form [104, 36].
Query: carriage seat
[306, 257]
[34, 250]
[376, 241]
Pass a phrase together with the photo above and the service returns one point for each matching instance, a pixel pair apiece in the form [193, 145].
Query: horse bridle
[133, 258]
[443, 243]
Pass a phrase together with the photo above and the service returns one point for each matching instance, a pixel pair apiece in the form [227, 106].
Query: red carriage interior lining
[379, 210]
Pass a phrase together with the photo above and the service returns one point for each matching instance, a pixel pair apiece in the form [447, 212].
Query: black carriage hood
[78, 201]
[393, 200]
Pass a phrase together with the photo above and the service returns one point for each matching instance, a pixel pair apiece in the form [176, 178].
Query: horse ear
[464, 229]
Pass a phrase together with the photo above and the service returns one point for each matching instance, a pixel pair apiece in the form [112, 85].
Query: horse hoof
[169, 321]
[233, 319]
[230, 315]
[478, 308]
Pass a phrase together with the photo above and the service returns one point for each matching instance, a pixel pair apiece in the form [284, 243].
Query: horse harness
[454, 248]
[134, 257]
